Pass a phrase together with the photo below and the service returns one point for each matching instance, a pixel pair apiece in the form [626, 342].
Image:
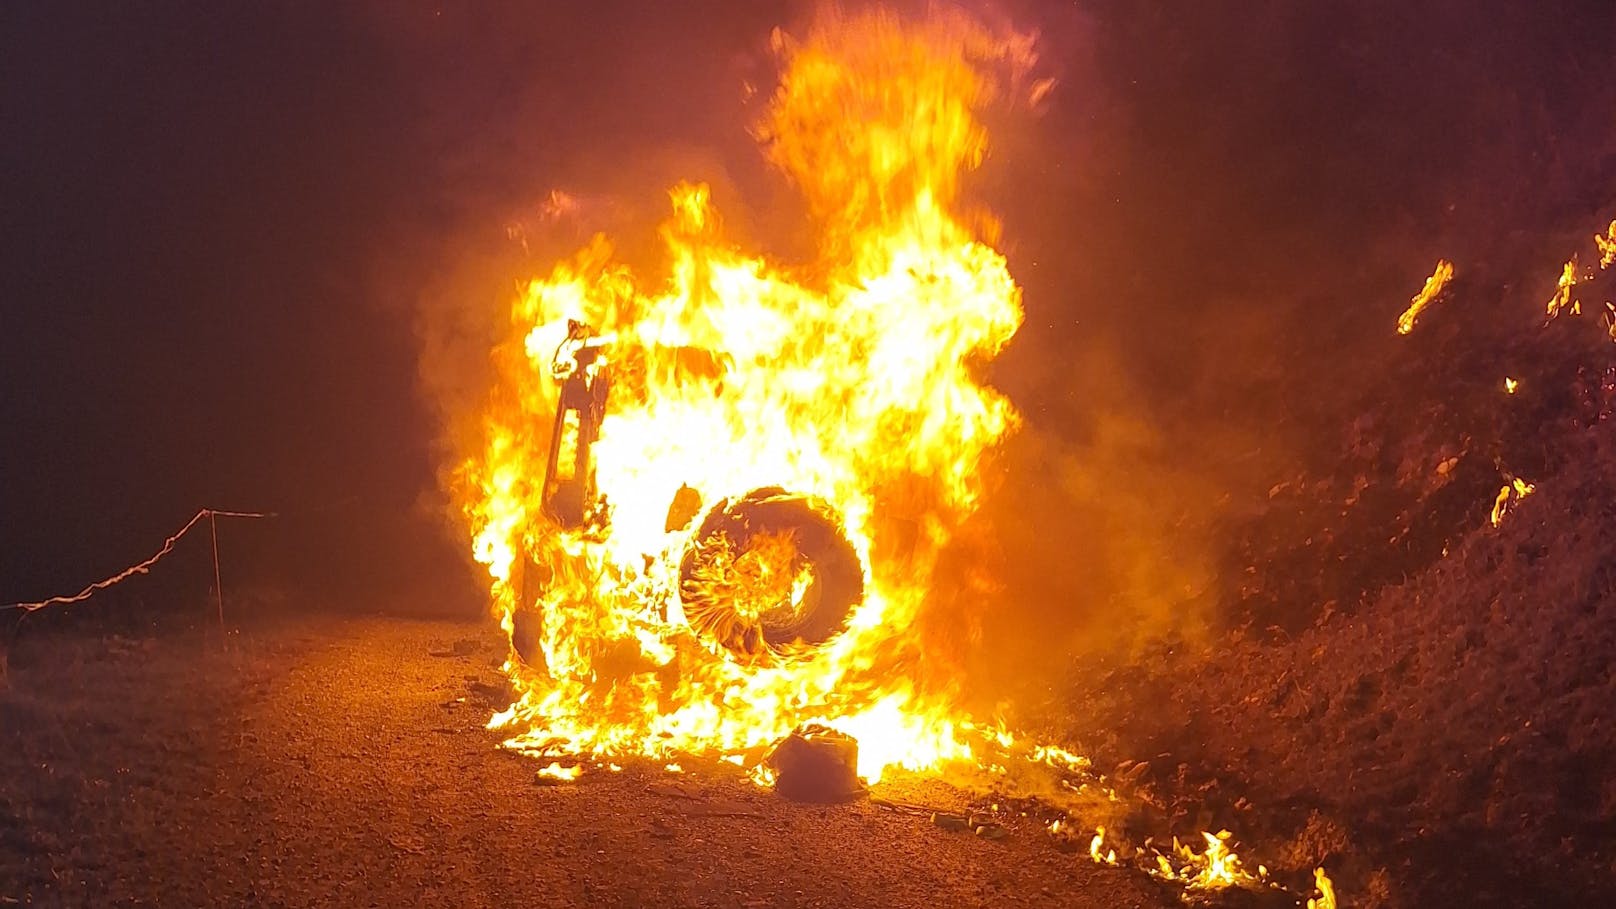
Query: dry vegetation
[1448, 738]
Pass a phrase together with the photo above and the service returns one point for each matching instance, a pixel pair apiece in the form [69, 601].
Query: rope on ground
[143, 567]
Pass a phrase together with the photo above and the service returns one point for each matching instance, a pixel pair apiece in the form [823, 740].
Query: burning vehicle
[767, 573]
[713, 491]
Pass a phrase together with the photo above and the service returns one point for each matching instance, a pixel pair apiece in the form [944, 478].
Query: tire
[820, 554]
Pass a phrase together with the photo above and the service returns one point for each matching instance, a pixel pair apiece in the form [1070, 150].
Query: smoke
[1216, 224]
[1216, 217]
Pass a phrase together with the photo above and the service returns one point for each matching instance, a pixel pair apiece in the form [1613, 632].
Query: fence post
[218, 586]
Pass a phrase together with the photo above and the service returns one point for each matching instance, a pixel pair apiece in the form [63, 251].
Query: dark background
[227, 226]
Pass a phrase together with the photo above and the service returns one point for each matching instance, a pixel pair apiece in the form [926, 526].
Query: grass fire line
[712, 501]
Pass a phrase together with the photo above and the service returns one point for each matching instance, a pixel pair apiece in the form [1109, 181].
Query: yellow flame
[1511, 493]
[1510, 385]
[1434, 285]
[556, 771]
[1500, 503]
[1326, 897]
[1109, 857]
[1215, 868]
[1607, 247]
[1562, 290]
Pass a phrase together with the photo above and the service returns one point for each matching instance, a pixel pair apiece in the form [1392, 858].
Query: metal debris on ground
[464, 647]
[981, 825]
[903, 807]
[990, 831]
[671, 789]
[816, 764]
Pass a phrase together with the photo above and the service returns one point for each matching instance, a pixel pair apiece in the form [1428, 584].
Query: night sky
[224, 225]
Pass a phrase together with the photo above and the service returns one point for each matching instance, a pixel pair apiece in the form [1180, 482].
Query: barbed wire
[143, 567]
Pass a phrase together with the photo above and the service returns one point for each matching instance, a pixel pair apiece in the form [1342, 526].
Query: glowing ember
[749, 469]
[1434, 285]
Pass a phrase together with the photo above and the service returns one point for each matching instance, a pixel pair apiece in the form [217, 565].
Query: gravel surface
[343, 761]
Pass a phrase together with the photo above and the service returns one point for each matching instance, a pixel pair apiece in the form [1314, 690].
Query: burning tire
[770, 573]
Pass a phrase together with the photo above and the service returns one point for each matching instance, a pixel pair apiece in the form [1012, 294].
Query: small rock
[950, 821]
[991, 832]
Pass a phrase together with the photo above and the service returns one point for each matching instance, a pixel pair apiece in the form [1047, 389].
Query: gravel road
[324, 761]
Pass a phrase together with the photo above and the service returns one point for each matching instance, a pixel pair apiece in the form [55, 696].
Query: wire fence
[211, 514]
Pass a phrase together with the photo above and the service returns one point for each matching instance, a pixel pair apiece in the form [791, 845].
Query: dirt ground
[324, 761]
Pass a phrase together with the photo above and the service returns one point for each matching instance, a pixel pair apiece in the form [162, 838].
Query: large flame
[853, 379]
